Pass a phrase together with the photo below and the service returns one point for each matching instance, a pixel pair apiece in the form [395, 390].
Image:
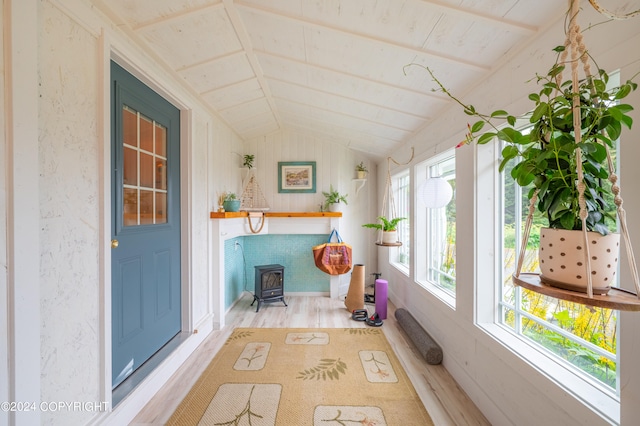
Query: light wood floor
[445, 401]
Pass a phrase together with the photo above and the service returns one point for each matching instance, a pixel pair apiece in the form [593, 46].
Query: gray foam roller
[426, 346]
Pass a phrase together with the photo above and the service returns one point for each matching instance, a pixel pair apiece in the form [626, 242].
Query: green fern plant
[386, 225]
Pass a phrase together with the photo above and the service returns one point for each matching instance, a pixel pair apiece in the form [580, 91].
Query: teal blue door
[145, 246]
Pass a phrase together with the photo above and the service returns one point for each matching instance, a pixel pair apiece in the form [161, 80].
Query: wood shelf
[617, 298]
[231, 215]
[398, 244]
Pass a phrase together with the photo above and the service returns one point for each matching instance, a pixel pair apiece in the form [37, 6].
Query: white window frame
[421, 223]
[402, 200]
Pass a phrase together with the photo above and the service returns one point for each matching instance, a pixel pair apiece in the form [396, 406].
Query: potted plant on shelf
[361, 170]
[545, 162]
[389, 228]
[248, 161]
[231, 202]
[333, 199]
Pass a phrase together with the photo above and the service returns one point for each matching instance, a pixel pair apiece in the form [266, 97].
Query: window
[401, 193]
[436, 231]
[583, 337]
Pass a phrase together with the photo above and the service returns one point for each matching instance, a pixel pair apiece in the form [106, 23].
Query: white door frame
[125, 56]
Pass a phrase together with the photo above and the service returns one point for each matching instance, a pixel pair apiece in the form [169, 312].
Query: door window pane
[146, 134]
[161, 141]
[130, 209]
[146, 170]
[161, 207]
[130, 173]
[146, 207]
[161, 174]
[130, 128]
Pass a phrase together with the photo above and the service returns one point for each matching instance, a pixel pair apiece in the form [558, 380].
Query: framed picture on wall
[296, 176]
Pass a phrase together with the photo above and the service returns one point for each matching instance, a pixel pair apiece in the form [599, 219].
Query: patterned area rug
[283, 376]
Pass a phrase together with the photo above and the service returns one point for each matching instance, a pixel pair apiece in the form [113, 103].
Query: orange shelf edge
[231, 215]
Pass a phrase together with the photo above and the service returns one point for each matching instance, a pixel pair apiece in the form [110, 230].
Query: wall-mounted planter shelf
[360, 183]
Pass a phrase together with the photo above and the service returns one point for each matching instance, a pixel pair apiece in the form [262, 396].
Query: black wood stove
[269, 284]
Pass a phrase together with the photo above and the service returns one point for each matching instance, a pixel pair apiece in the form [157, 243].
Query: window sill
[594, 397]
[439, 293]
[401, 267]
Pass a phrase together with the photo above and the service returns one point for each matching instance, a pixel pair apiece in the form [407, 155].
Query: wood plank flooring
[446, 402]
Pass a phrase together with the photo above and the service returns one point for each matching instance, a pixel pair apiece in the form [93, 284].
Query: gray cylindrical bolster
[426, 346]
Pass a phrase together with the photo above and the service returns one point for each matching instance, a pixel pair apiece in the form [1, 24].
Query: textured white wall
[69, 209]
[4, 339]
[505, 387]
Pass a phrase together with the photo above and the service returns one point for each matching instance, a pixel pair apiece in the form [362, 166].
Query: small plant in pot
[361, 170]
[546, 161]
[389, 228]
[231, 202]
[247, 161]
[333, 199]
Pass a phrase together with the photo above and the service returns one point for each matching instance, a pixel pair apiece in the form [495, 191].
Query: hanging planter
[565, 156]
[388, 226]
[388, 229]
[562, 259]
[389, 237]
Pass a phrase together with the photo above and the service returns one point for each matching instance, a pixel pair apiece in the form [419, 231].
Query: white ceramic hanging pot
[389, 237]
[562, 259]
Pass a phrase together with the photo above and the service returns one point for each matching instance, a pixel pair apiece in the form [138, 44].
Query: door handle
[114, 243]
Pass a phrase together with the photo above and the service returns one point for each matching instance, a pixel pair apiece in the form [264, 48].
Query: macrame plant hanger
[575, 46]
[253, 202]
[388, 196]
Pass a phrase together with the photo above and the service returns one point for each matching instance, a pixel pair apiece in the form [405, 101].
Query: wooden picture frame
[296, 176]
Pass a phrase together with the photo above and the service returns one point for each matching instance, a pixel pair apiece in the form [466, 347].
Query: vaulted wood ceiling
[332, 68]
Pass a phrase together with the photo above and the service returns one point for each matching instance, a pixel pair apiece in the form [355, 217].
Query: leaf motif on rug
[238, 334]
[253, 357]
[243, 403]
[363, 331]
[326, 369]
[345, 415]
[307, 339]
[377, 367]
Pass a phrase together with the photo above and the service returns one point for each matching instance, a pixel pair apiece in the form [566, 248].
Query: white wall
[504, 386]
[4, 330]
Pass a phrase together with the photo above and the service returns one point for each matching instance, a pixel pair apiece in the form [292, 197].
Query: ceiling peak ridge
[245, 41]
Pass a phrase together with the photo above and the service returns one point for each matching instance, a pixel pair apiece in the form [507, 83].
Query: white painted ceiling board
[219, 73]
[332, 68]
[234, 94]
